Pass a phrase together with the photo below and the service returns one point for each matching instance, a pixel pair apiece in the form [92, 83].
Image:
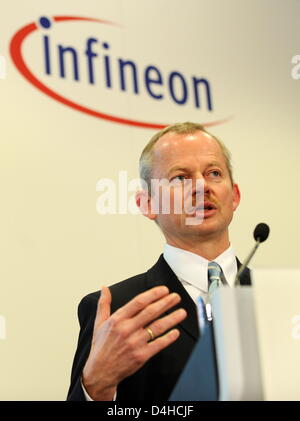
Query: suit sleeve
[86, 315]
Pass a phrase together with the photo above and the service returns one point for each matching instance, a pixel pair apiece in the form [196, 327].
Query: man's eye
[215, 173]
[178, 178]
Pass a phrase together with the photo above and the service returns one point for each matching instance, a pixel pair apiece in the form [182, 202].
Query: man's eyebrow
[179, 168]
[188, 170]
[214, 164]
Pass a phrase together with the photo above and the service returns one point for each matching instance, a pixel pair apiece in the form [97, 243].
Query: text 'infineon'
[92, 62]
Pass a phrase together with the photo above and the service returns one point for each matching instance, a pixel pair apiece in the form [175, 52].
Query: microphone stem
[242, 268]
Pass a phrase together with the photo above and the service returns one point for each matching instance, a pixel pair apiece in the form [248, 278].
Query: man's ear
[236, 196]
[143, 202]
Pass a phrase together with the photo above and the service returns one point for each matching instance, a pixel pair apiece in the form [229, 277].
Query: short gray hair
[145, 164]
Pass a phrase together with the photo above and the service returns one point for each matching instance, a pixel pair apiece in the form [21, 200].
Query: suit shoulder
[121, 292]
[89, 300]
[137, 282]
[124, 291]
[87, 307]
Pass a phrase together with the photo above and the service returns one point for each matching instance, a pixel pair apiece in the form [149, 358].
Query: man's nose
[206, 187]
[200, 185]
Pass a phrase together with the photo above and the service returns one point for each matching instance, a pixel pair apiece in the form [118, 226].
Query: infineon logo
[88, 72]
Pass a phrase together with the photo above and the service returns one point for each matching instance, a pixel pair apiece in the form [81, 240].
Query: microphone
[261, 233]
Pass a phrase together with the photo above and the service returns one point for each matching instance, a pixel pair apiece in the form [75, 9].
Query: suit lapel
[162, 274]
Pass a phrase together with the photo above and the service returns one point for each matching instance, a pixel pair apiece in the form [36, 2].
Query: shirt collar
[192, 268]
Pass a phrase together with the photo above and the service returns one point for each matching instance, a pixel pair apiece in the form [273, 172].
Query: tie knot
[214, 275]
[214, 270]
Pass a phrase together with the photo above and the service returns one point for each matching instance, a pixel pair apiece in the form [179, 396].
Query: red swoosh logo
[16, 55]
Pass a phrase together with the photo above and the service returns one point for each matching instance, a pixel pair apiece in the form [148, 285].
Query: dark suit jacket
[157, 378]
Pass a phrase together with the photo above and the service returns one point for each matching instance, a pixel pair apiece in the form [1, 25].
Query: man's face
[197, 156]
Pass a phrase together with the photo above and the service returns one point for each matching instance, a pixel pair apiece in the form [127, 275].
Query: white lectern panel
[236, 344]
[276, 296]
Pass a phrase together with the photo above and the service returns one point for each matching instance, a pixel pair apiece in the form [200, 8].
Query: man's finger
[141, 301]
[103, 308]
[154, 310]
[160, 326]
[161, 343]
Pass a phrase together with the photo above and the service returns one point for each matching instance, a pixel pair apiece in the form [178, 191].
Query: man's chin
[201, 218]
[202, 226]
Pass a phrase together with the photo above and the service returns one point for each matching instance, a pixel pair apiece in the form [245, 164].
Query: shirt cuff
[87, 396]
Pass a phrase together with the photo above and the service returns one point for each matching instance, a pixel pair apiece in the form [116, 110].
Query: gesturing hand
[121, 344]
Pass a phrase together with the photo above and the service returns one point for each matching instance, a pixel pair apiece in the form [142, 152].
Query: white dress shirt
[192, 269]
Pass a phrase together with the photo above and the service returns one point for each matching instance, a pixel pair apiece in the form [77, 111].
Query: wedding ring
[151, 334]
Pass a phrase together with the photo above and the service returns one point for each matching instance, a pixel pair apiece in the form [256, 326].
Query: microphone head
[261, 232]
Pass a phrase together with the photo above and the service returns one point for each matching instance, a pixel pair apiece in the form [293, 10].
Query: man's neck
[207, 249]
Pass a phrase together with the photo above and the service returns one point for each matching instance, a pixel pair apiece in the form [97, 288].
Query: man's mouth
[209, 206]
[205, 206]
[205, 209]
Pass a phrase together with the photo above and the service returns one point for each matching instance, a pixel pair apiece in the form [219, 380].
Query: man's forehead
[172, 143]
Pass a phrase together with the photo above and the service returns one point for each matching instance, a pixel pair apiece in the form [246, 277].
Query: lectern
[251, 351]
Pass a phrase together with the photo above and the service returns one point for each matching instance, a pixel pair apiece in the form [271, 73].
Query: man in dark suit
[137, 337]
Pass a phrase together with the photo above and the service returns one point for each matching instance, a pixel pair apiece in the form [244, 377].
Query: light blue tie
[214, 277]
[214, 282]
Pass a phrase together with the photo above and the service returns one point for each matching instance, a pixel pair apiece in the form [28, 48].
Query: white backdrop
[54, 246]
